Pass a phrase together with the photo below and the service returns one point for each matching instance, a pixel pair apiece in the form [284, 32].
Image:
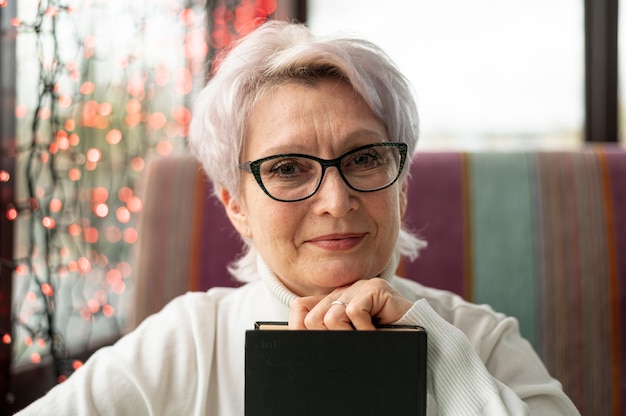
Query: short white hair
[280, 52]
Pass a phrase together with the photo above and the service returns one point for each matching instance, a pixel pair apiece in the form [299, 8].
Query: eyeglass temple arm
[245, 166]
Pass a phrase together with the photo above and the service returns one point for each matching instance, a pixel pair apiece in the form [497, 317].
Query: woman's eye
[364, 160]
[284, 168]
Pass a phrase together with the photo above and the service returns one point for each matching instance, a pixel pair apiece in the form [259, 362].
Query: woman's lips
[338, 241]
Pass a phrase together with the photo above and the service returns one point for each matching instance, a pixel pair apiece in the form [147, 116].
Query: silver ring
[338, 302]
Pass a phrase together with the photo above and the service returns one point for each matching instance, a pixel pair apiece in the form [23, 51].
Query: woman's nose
[334, 196]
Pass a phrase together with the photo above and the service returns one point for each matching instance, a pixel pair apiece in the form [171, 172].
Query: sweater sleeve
[169, 355]
[500, 376]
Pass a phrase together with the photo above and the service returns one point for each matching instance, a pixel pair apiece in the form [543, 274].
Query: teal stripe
[502, 236]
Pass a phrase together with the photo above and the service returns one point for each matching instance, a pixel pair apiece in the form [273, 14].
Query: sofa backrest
[540, 236]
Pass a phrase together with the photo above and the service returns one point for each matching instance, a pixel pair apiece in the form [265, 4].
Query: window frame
[601, 71]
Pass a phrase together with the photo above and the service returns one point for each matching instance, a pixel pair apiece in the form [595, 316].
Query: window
[622, 73]
[487, 74]
[100, 90]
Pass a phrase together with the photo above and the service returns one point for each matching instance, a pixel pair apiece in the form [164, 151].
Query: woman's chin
[326, 279]
[322, 276]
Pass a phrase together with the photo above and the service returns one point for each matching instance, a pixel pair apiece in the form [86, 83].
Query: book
[308, 372]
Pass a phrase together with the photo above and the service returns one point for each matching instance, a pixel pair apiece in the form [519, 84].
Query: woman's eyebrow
[352, 141]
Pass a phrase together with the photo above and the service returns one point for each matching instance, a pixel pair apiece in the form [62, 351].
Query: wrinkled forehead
[270, 86]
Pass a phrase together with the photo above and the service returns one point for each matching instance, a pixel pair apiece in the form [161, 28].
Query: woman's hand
[358, 306]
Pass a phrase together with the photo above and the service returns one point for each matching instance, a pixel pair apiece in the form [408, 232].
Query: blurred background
[93, 90]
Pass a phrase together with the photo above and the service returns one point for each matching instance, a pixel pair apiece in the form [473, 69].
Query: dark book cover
[303, 373]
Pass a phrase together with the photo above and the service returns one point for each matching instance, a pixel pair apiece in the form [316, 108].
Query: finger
[359, 316]
[376, 302]
[299, 309]
[330, 312]
[336, 317]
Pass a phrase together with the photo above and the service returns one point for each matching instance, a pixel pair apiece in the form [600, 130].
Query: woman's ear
[235, 213]
[404, 197]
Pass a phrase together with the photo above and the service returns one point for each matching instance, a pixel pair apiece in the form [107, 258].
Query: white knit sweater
[188, 359]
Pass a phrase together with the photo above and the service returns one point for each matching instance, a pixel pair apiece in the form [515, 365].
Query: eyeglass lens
[291, 178]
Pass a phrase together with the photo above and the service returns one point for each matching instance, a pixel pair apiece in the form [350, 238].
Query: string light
[229, 22]
[101, 109]
[98, 110]
[11, 214]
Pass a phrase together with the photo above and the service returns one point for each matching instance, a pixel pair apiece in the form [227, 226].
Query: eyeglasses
[294, 177]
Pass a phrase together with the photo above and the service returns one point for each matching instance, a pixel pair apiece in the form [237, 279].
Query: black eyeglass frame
[254, 167]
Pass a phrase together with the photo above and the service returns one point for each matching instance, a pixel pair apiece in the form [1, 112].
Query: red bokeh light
[84, 265]
[130, 235]
[93, 306]
[21, 111]
[124, 193]
[137, 164]
[94, 155]
[47, 289]
[101, 210]
[134, 204]
[186, 17]
[56, 205]
[105, 109]
[114, 136]
[164, 148]
[65, 101]
[99, 194]
[74, 174]
[182, 115]
[157, 120]
[196, 46]
[74, 139]
[87, 88]
[75, 229]
[11, 214]
[91, 235]
[123, 215]
[108, 310]
[48, 222]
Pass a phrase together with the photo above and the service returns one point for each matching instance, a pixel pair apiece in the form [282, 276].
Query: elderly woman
[308, 142]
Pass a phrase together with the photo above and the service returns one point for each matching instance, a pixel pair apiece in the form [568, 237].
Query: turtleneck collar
[285, 296]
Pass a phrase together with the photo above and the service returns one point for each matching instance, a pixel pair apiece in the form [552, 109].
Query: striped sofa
[537, 235]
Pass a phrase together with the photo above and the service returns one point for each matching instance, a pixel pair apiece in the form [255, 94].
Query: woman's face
[339, 235]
